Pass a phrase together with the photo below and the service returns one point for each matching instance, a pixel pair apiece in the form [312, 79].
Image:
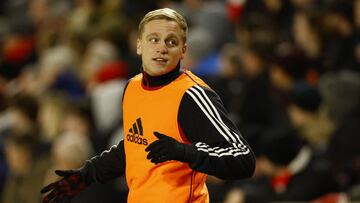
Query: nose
[162, 48]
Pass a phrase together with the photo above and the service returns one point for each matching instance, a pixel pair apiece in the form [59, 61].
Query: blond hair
[167, 14]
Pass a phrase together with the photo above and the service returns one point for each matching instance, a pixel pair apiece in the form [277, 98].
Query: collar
[155, 82]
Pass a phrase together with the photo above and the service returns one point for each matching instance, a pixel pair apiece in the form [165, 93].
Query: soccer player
[176, 131]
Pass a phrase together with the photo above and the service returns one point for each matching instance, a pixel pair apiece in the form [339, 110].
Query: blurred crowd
[288, 72]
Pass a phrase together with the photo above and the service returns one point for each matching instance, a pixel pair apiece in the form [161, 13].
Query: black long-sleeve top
[217, 147]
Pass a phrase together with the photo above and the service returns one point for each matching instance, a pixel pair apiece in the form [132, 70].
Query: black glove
[165, 149]
[63, 190]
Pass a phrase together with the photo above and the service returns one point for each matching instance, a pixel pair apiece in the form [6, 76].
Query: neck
[156, 82]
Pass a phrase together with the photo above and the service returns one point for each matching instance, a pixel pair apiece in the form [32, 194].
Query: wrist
[88, 173]
[189, 153]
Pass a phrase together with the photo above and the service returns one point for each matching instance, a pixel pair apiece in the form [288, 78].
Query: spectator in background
[98, 53]
[257, 109]
[113, 24]
[229, 82]
[23, 108]
[78, 118]
[51, 115]
[339, 36]
[210, 29]
[288, 66]
[307, 35]
[290, 171]
[26, 168]
[106, 95]
[19, 117]
[58, 73]
[18, 48]
[82, 17]
[341, 93]
[65, 146]
[277, 14]
[307, 116]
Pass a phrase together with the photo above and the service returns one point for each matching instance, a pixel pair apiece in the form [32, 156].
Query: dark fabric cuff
[190, 153]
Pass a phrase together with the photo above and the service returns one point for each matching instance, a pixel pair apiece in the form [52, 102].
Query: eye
[153, 40]
[171, 42]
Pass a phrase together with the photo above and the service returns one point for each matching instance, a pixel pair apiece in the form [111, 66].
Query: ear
[138, 47]
[183, 51]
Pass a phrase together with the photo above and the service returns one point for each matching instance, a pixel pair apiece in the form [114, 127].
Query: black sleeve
[217, 147]
[110, 164]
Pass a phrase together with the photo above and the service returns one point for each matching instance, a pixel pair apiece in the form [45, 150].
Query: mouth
[160, 60]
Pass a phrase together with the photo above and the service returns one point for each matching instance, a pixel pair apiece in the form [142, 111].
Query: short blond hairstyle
[167, 14]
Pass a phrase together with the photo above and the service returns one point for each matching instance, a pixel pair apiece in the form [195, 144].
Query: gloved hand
[63, 190]
[164, 149]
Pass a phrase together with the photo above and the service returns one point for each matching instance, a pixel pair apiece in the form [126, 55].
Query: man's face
[161, 46]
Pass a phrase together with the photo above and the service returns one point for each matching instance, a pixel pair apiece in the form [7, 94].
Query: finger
[161, 151]
[160, 144]
[64, 173]
[155, 160]
[59, 199]
[46, 199]
[48, 187]
[161, 159]
[148, 148]
[55, 200]
[50, 197]
[160, 135]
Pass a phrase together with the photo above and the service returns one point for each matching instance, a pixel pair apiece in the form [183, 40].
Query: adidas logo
[135, 133]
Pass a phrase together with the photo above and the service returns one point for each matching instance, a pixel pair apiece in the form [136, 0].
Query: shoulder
[202, 96]
[195, 79]
[202, 90]
[137, 77]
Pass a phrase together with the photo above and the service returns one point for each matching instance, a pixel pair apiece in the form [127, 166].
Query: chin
[160, 71]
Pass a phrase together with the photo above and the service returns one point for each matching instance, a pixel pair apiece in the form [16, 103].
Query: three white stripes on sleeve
[208, 108]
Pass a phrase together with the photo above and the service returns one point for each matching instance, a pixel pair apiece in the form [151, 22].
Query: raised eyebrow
[172, 36]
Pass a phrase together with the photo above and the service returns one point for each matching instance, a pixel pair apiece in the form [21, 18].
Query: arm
[217, 147]
[107, 166]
